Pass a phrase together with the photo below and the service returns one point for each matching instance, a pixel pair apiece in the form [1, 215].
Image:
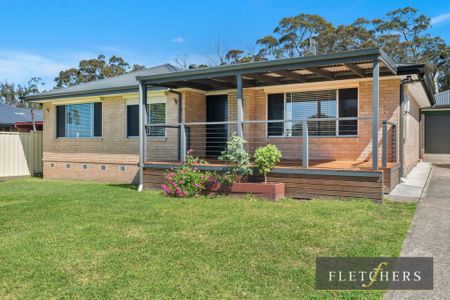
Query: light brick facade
[114, 157]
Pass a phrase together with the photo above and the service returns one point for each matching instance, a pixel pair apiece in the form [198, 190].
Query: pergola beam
[214, 83]
[263, 77]
[292, 75]
[324, 73]
[355, 69]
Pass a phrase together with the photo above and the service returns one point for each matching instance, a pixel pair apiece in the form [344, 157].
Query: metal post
[240, 110]
[384, 153]
[305, 137]
[183, 143]
[394, 143]
[375, 111]
[142, 132]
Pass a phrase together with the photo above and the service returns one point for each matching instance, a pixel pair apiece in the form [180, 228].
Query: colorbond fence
[20, 153]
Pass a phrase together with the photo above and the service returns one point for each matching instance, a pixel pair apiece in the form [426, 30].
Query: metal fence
[300, 141]
[20, 153]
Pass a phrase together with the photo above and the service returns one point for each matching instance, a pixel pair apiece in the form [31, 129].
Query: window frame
[318, 136]
[65, 121]
[150, 100]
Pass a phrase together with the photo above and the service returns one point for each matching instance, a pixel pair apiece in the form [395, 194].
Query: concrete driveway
[430, 231]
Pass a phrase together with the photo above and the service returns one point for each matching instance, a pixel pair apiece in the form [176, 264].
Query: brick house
[347, 124]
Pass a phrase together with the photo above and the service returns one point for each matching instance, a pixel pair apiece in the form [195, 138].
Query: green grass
[88, 240]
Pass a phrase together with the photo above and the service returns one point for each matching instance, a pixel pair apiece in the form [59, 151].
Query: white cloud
[440, 19]
[19, 66]
[177, 40]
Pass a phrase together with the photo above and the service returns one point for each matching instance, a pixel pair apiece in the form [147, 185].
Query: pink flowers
[187, 180]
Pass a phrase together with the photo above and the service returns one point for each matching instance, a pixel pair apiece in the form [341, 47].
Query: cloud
[440, 19]
[177, 40]
[19, 66]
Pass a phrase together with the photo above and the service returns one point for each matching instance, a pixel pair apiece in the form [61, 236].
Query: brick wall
[112, 157]
[115, 150]
[411, 136]
[323, 148]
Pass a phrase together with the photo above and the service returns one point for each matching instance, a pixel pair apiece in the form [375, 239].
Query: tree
[403, 33]
[94, 69]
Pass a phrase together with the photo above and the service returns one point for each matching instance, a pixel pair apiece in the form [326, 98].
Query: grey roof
[118, 84]
[443, 98]
[362, 55]
[9, 115]
[357, 64]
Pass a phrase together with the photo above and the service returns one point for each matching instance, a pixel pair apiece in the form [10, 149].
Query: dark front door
[216, 134]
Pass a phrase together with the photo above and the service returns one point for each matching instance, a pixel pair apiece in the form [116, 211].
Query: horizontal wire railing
[298, 145]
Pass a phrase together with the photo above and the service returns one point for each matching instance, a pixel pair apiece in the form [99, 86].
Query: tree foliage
[403, 33]
[94, 69]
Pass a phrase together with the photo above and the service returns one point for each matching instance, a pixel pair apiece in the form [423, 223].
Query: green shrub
[266, 159]
[237, 158]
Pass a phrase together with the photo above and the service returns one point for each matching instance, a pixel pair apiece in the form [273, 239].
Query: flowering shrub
[187, 180]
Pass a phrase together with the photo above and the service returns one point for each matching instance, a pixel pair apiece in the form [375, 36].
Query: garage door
[437, 132]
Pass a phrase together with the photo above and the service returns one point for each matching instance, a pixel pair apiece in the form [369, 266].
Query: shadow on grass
[123, 186]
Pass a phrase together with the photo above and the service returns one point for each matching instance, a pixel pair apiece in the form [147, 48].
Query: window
[156, 114]
[348, 107]
[85, 166]
[313, 105]
[275, 110]
[79, 120]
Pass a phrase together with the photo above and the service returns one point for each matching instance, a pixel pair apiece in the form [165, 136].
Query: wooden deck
[323, 179]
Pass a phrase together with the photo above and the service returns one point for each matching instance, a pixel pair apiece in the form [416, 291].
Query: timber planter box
[270, 190]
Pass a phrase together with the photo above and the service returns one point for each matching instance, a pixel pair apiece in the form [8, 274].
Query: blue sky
[40, 38]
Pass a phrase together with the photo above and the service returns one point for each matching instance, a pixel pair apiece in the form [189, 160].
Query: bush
[187, 180]
[266, 159]
[237, 158]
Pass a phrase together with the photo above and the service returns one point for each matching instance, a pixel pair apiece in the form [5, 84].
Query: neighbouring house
[436, 122]
[347, 123]
[19, 119]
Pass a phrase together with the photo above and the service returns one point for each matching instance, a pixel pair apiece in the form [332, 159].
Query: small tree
[266, 159]
[237, 158]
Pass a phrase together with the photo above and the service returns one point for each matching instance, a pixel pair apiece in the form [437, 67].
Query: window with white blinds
[314, 105]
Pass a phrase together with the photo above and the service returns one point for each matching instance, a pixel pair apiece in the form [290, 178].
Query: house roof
[336, 66]
[9, 115]
[118, 84]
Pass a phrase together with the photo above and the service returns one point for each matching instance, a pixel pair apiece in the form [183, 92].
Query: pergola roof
[344, 65]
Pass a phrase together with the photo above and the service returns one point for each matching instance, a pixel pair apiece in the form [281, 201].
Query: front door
[216, 134]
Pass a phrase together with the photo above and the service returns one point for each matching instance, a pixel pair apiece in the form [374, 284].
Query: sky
[41, 38]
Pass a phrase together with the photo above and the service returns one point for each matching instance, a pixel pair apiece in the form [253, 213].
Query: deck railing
[298, 139]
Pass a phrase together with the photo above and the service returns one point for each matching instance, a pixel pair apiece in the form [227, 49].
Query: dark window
[61, 121]
[275, 111]
[348, 107]
[133, 120]
[97, 119]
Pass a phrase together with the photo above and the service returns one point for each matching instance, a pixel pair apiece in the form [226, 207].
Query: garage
[437, 132]
[437, 125]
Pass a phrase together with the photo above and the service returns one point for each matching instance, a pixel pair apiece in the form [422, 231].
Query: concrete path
[411, 190]
[430, 232]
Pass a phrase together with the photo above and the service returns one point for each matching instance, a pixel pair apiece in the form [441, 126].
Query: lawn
[89, 240]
